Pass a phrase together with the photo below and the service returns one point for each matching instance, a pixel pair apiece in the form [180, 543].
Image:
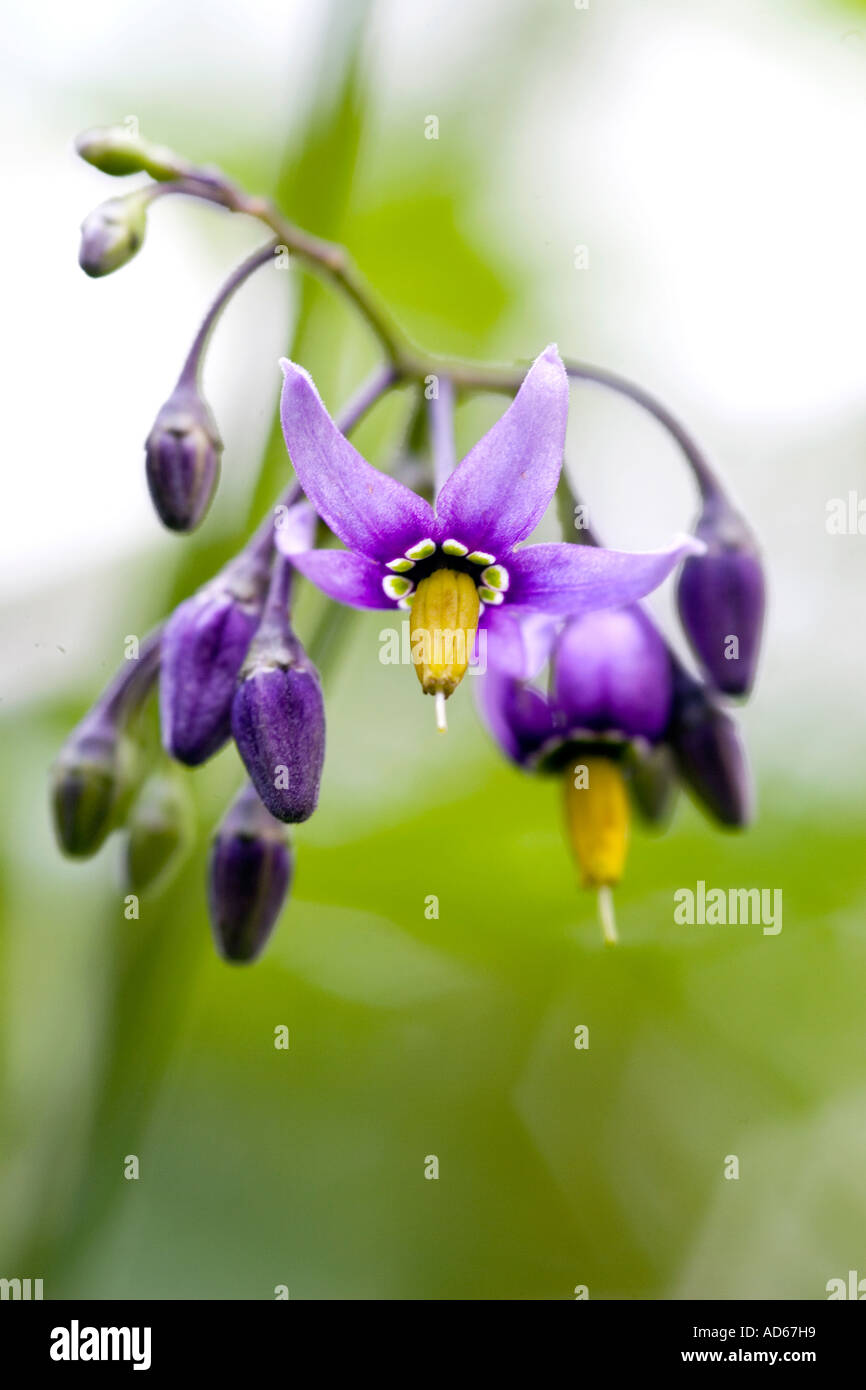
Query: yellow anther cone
[444, 617]
[597, 817]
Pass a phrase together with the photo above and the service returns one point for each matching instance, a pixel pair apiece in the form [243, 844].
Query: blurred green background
[412, 1037]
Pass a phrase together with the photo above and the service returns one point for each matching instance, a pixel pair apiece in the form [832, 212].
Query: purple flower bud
[183, 453]
[205, 642]
[710, 756]
[278, 714]
[249, 875]
[721, 597]
[278, 721]
[112, 233]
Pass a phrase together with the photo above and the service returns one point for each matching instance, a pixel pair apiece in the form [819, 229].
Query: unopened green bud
[653, 782]
[86, 783]
[112, 233]
[117, 151]
[95, 771]
[159, 831]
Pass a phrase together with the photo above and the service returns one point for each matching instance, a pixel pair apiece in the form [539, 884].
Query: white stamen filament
[441, 717]
[606, 915]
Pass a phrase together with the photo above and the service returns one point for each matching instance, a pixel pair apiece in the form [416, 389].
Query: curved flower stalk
[183, 449]
[457, 567]
[232, 666]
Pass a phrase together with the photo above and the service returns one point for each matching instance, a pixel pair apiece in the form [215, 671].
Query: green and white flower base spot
[396, 586]
[496, 577]
[421, 550]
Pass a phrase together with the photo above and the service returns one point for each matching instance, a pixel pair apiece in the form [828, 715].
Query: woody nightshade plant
[231, 661]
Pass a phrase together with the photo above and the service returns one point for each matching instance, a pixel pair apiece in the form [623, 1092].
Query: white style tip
[606, 915]
[441, 716]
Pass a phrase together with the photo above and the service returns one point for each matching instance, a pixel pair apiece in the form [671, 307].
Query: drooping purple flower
[721, 596]
[278, 713]
[611, 679]
[489, 504]
[205, 642]
[611, 690]
[249, 875]
[612, 675]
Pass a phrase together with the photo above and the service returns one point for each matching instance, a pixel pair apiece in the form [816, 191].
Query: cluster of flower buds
[621, 721]
[228, 665]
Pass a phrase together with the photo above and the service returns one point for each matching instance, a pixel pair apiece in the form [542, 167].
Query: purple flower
[721, 597]
[611, 679]
[491, 502]
[611, 691]
[278, 714]
[249, 875]
[612, 675]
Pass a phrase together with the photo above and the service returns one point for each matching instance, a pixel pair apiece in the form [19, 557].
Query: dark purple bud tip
[249, 875]
[709, 752]
[721, 597]
[85, 786]
[111, 234]
[159, 829]
[183, 460]
[204, 645]
[278, 722]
